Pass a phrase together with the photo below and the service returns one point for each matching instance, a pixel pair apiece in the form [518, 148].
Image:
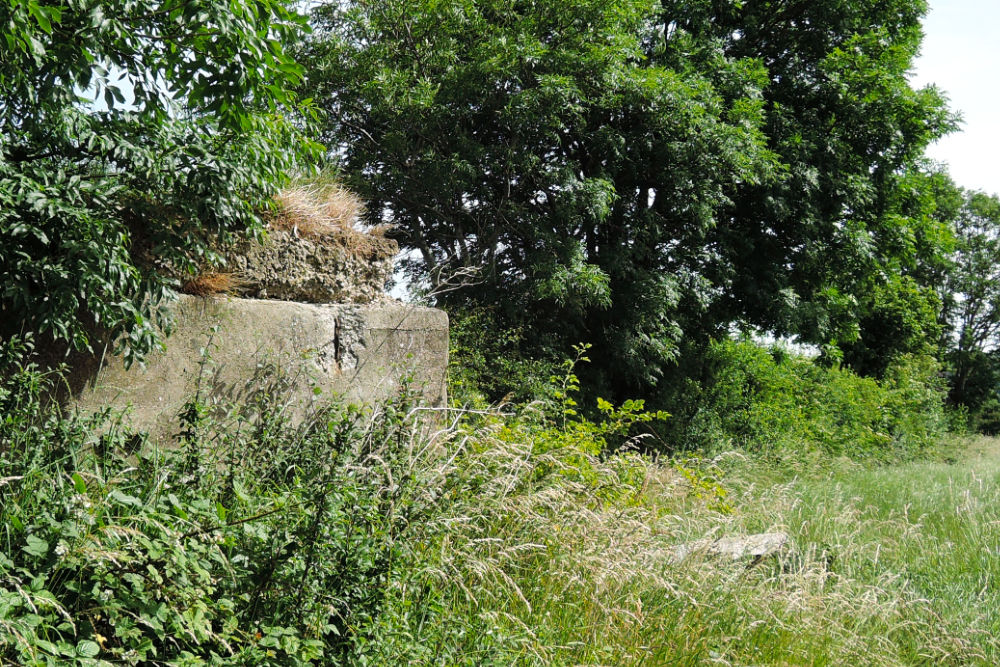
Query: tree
[186, 140]
[527, 141]
[637, 174]
[899, 292]
[971, 303]
[818, 252]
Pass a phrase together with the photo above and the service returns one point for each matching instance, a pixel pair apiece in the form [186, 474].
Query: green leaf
[756, 148]
[41, 17]
[80, 269]
[47, 646]
[125, 499]
[78, 483]
[87, 649]
[176, 504]
[37, 48]
[36, 546]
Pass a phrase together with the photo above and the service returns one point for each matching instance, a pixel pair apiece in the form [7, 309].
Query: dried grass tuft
[317, 210]
[327, 212]
[207, 284]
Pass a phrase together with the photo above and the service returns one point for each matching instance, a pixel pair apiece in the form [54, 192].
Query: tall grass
[380, 537]
[548, 573]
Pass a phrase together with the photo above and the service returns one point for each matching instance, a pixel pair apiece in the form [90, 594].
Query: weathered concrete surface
[313, 270]
[359, 352]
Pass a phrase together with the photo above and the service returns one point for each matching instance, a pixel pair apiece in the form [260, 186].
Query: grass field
[894, 566]
[899, 566]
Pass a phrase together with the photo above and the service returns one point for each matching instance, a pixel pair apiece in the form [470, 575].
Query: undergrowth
[788, 409]
[255, 541]
[388, 536]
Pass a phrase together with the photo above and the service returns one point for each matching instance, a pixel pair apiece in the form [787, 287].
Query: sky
[961, 55]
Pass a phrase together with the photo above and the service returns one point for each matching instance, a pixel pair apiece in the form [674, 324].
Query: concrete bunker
[307, 303]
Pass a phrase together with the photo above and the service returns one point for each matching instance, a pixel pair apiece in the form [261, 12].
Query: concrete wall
[359, 352]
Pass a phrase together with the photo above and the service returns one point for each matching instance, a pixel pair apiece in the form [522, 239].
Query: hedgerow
[780, 405]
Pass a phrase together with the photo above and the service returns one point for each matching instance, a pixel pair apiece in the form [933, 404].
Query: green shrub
[554, 425]
[782, 405]
[490, 362]
[513, 489]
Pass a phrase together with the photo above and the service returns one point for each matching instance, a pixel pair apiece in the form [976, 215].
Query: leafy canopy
[970, 309]
[638, 174]
[539, 146]
[131, 130]
[833, 247]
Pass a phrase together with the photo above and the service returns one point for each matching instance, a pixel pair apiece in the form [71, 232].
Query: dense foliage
[252, 540]
[372, 536]
[835, 246]
[638, 173]
[127, 129]
[971, 305]
[255, 543]
[780, 406]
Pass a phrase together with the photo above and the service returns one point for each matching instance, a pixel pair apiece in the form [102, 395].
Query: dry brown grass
[326, 212]
[207, 284]
[317, 210]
